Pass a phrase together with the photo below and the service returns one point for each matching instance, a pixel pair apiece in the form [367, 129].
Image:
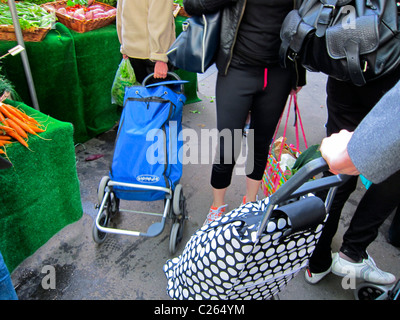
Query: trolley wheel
[369, 291]
[170, 213]
[176, 234]
[173, 237]
[99, 236]
[113, 205]
[178, 201]
[101, 188]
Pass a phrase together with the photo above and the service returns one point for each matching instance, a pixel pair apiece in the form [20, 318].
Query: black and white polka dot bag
[231, 258]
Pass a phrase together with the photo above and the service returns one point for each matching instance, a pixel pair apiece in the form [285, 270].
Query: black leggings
[347, 106]
[264, 92]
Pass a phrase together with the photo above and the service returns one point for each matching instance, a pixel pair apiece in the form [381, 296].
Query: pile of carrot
[16, 126]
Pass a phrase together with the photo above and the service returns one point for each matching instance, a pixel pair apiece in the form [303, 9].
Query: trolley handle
[305, 173]
[299, 185]
[177, 81]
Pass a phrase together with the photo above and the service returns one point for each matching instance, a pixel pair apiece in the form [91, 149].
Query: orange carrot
[15, 122]
[17, 128]
[11, 110]
[36, 128]
[11, 132]
[26, 122]
[3, 119]
[23, 116]
[4, 142]
[32, 129]
[2, 137]
[24, 126]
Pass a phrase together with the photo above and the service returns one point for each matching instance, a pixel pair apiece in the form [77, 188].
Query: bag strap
[292, 100]
[325, 17]
[293, 33]
[298, 116]
[352, 49]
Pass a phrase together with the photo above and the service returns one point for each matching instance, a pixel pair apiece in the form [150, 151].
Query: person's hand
[160, 70]
[334, 151]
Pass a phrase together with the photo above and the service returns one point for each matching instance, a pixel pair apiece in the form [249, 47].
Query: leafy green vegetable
[39, 2]
[6, 85]
[71, 3]
[124, 77]
[30, 15]
[306, 156]
[112, 3]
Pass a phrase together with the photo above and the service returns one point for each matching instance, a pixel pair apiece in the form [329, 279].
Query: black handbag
[196, 46]
[349, 40]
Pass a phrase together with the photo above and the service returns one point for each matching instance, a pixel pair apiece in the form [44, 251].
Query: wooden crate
[7, 33]
[179, 11]
[77, 24]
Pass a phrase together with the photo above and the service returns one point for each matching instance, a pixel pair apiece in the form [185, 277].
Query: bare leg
[252, 187]
[219, 197]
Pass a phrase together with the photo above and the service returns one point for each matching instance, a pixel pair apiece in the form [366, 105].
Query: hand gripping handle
[299, 185]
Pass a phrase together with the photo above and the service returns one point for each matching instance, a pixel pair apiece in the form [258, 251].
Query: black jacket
[231, 17]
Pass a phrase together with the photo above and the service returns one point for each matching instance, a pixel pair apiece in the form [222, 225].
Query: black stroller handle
[299, 185]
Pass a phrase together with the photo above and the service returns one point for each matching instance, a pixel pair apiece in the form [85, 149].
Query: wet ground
[130, 268]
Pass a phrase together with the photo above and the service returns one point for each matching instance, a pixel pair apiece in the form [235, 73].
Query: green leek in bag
[125, 77]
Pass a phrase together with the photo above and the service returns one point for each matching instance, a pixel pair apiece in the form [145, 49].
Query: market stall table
[73, 74]
[40, 194]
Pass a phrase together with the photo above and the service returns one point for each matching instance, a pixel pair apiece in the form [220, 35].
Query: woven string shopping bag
[275, 174]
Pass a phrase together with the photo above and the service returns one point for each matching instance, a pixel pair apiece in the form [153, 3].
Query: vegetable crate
[7, 33]
[82, 25]
[35, 22]
[179, 11]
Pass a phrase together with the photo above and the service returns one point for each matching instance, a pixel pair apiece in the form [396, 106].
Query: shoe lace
[216, 212]
[371, 267]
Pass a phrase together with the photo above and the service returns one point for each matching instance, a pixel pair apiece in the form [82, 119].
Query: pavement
[130, 268]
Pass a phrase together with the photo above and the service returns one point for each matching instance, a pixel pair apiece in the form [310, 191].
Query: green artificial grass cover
[40, 194]
[72, 74]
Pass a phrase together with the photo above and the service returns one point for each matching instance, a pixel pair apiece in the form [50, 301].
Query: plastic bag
[125, 77]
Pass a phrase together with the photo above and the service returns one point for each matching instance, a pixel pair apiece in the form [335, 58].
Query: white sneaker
[366, 270]
[314, 278]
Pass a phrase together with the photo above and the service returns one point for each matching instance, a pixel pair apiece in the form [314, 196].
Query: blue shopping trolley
[146, 163]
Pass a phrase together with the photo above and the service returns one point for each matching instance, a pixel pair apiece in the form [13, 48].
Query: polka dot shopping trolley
[253, 251]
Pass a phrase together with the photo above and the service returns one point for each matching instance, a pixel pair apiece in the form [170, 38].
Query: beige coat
[146, 28]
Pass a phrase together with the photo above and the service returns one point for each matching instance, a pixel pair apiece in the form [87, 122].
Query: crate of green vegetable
[35, 22]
